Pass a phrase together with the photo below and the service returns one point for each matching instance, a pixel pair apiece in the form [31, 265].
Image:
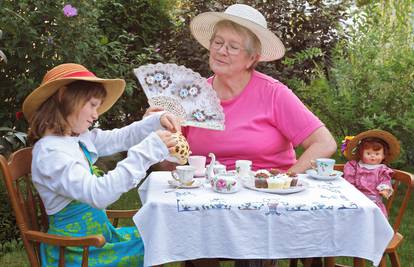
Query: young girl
[369, 152]
[60, 111]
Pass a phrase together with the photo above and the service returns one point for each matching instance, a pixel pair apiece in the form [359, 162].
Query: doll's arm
[385, 187]
[350, 171]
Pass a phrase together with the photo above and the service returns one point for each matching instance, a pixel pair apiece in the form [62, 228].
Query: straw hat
[394, 145]
[64, 74]
[202, 28]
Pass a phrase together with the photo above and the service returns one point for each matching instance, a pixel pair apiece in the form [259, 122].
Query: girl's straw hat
[64, 74]
[393, 144]
[202, 28]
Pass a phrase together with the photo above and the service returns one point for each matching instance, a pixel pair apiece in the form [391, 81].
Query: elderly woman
[264, 119]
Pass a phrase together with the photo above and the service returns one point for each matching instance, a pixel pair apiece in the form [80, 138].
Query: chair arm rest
[121, 213]
[57, 240]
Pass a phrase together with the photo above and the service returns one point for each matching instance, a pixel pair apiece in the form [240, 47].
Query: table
[329, 218]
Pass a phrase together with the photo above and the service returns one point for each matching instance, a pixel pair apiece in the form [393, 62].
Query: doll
[368, 153]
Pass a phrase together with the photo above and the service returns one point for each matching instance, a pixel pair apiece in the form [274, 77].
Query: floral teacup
[225, 183]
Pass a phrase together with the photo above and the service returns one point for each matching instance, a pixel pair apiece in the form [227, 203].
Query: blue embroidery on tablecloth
[187, 201]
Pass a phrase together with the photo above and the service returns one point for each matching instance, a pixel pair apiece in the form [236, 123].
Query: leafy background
[354, 78]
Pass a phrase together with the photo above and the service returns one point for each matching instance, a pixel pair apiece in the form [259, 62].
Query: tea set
[223, 181]
[323, 169]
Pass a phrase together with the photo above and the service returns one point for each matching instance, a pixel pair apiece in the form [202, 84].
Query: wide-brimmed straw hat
[64, 74]
[351, 152]
[202, 28]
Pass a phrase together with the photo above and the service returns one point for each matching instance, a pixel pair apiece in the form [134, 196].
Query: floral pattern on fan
[182, 92]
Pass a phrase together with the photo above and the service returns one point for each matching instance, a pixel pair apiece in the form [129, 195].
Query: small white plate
[335, 175]
[302, 185]
[175, 183]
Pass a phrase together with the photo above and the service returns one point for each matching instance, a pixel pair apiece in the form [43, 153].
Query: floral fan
[182, 92]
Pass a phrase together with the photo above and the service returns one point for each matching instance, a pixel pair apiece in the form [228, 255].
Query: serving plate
[302, 185]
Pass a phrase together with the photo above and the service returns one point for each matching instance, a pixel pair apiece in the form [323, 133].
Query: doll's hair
[53, 113]
[373, 143]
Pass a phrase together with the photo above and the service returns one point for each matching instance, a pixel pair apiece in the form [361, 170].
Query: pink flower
[221, 184]
[69, 11]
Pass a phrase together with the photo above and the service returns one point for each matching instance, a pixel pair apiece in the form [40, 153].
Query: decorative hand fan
[182, 92]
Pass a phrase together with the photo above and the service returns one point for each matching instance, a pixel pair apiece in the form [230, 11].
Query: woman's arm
[320, 144]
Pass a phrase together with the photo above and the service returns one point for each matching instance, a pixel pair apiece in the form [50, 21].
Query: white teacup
[243, 167]
[199, 163]
[324, 166]
[184, 174]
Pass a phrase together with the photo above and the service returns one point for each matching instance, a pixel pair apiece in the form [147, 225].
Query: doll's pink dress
[369, 181]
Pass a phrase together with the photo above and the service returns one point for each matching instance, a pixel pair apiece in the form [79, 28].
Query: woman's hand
[170, 122]
[168, 139]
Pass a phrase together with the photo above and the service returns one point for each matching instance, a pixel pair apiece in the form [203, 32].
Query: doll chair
[403, 185]
[31, 216]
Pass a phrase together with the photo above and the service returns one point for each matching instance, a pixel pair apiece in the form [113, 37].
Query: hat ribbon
[80, 74]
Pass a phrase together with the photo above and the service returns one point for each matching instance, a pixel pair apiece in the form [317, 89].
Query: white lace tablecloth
[330, 218]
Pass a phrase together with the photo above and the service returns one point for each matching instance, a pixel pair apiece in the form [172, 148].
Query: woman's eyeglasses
[232, 49]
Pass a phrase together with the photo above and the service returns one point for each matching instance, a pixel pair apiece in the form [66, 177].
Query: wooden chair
[31, 216]
[403, 184]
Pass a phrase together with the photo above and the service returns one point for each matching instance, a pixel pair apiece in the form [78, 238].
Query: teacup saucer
[334, 175]
[174, 183]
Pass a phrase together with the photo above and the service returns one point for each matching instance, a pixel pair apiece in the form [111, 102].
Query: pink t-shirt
[262, 124]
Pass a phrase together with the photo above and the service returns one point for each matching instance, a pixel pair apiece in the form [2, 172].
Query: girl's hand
[168, 139]
[170, 122]
[152, 110]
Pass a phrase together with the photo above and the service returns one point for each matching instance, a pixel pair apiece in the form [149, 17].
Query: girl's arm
[117, 140]
[65, 173]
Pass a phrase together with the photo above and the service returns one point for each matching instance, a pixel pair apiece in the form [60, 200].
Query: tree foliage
[308, 30]
[370, 84]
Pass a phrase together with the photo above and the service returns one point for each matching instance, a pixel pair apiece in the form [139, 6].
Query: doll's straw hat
[202, 28]
[64, 74]
[351, 152]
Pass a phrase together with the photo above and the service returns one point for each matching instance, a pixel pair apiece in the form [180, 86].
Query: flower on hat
[345, 143]
[70, 11]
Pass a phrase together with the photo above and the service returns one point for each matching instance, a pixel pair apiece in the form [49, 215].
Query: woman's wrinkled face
[373, 157]
[228, 55]
[81, 121]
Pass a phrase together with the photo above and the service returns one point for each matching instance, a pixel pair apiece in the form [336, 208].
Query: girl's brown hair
[373, 143]
[53, 113]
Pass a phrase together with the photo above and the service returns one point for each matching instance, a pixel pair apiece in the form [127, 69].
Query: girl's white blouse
[61, 173]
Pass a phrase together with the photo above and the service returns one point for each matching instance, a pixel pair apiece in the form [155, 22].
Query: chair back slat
[23, 198]
[403, 184]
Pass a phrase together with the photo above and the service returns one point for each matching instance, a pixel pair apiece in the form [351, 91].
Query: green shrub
[109, 37]
[371, 82]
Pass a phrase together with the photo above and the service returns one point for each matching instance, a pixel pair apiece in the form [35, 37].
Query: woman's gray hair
[252, 43]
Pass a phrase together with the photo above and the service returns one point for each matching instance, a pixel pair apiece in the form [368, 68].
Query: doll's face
[371, 156]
